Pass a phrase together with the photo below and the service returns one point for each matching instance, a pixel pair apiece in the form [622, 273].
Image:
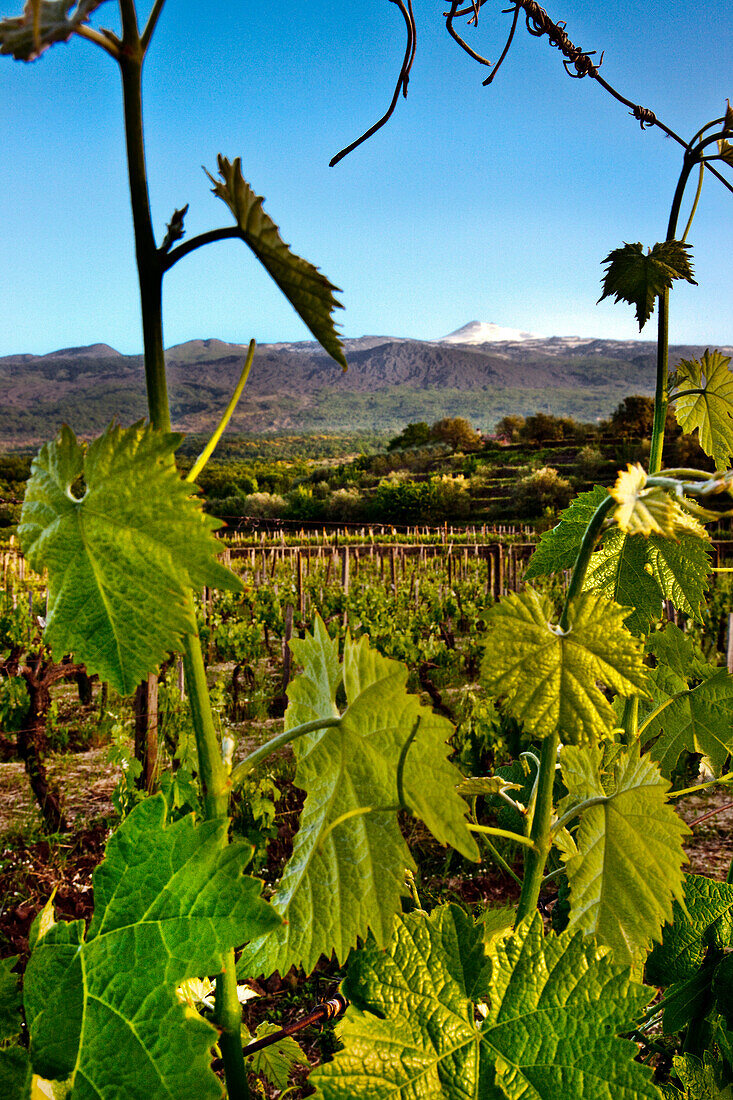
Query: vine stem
[213, 774]
[541, 831]
[250, 762]
[661, 393]
[534, 867]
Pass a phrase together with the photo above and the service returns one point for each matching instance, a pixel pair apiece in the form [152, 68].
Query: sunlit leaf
[346, 875]
[277, 1061]
[646, 510]
[638, 278]
[551, 1009]
[549, 678]
[558, 548]
[640, 573]
[709, 412]
[122, 550]
[627, 871]
[308, 291]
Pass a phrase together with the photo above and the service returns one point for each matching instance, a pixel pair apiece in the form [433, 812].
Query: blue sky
[495, 203]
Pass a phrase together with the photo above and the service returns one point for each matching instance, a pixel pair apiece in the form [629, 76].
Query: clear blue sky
[495, 203]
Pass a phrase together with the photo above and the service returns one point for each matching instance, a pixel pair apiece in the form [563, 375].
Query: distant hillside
[390, 382]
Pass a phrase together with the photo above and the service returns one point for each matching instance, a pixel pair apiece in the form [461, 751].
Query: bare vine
[578, 63]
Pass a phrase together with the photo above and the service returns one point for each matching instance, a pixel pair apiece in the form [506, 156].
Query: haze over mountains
[482, 371]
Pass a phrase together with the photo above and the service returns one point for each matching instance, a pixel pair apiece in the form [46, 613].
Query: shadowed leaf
[308, 291]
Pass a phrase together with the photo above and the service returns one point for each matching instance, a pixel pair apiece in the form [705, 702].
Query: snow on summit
[486, 332]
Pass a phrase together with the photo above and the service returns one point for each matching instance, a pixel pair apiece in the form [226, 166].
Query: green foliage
[540, 490]
[346, 873]
[633, 570]
[101, 1006]
[14, 1066]
[631, 827]
[709, 412]
[456, 432]
[277, 1061]
[637, 278]
[309, 292]
[433, 1017]
[414, 435]
[14, 703]
[693, 719]
[706, 921]
[548, 677]
[122, 553]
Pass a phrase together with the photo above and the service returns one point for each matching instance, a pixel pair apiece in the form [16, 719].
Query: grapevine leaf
[169, 901]
[628, 868]
[10, 1000]
[702, 1079]
[687, 1000]
[646, 510]
[710, 412]
[277, 1061]
[725, 151]
[308, 291]
[473, 786]
[698, 721]
[14, 1067]
[634, 571]
[679, 660]
[43, 23]
[550, 678]
[347, 870]
[558, 548]
[638, 279]
[707, 922]
[555, 1006]
[122, 555]
[641, 572]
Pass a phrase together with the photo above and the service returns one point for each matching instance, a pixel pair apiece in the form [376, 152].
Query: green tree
[416, 434]
[457, 433]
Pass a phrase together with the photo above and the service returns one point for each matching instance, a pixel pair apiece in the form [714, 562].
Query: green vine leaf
[709, 412]
[640, 573]
[122, 553]
[43, 23]
[277, 1061]
[702, 1079]
[633, 570]
[102, 1006]
[552, 1008]
[700, 720]
[627, 871]
[308, 291]
[647, 510]
[15, 1076]
[550, 679]
[346, 875]
[558, 548]
[705, 922]
[634, 277]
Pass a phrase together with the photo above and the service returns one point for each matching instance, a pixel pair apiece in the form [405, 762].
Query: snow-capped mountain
[487, 332]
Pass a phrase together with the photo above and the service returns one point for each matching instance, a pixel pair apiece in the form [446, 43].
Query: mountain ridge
[296, 387]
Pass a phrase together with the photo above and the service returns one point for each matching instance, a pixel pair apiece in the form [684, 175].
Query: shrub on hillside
[264, 505]
[590, 462]
[347, 505]
[542, 489]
